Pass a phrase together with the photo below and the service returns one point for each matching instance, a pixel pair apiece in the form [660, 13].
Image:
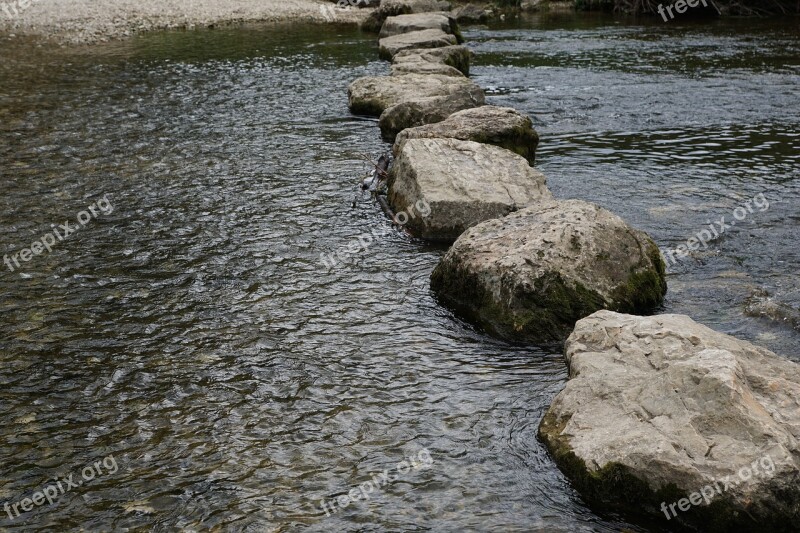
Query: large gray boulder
[416, 22]
[391, 8]
[372, 95]
[666, 416]
[388, 47]
[420, 111]
[500, 126]
[457, 57]
[463, 182]
[531, 275]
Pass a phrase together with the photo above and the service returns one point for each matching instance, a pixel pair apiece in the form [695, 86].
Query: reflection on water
[194, 334]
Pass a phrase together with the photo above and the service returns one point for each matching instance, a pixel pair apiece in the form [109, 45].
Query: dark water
[193, 335]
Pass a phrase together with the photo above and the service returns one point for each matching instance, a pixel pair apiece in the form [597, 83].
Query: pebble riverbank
[92, 21]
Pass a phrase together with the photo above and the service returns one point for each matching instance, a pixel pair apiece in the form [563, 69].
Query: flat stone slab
[531, 275]
[388, 47]
[665, 416]
[500, 126]
[421, 111]
[420, 21]
[463, 182]
[421, 61]
[391, 8]
[424, 67]
[372, 95]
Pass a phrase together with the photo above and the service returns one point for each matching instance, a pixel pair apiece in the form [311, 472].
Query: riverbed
[193, 333]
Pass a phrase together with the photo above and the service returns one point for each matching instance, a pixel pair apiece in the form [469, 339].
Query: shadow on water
[194, 333]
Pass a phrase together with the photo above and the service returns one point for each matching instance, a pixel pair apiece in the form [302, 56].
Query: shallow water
[193, 333]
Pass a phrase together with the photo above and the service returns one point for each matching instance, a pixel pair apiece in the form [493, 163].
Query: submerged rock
[421, 61]
[500, 126]
[388, 47]
[391, 8]
[417, 22]
[463, 182]
[762, 305]
[421, 111]
[666, 416]
[372, 95]
[531, 275]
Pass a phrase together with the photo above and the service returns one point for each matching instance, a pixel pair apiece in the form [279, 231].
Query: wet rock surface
[420, 111]
[372, 95]
[463, 182]
[388, 47]
[417, 22]
[532, 274]
[391, 8]
[457, 56]
[761, 305]
[500, 126]
[662, 408]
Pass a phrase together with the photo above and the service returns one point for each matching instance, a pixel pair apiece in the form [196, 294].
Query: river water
[192, 334]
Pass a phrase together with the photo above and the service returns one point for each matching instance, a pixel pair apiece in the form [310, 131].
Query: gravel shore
[90, 21]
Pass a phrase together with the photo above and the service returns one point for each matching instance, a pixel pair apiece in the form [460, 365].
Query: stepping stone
[388, 47]
[500, 126]
[421, 61]
[667, 417]
[463, 182]
[372, 95]
[420, 21]
[531, 275]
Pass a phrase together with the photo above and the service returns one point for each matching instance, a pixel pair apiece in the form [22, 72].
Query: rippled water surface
[194, 335]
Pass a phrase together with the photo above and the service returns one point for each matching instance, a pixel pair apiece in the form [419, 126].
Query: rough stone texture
[500, 126]
[531, 275]
[421, 111]
[463, 182]
[471, 13]
[424, 67]
[388, 47]
[660, 407]
[374, 94]
[391, 8]
[457, 57]
[416, 22]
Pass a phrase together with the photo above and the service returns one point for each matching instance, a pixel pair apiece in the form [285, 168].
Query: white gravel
[89, 21]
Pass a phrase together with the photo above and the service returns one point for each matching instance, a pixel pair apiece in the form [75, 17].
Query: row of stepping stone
[529, 276]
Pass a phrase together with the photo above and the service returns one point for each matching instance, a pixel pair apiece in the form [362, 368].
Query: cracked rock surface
[372, 95]
[501, 126]
[463, 182]
[388, 47]
[657, 408]
[531, 275]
